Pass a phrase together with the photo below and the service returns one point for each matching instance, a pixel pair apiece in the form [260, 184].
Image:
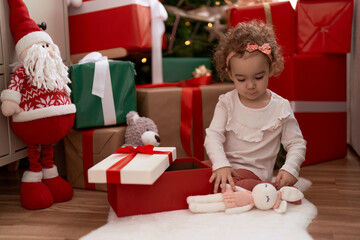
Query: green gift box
[103, 92]
[176, 69]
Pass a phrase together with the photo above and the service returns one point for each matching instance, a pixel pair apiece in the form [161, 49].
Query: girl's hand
[222, 176]
[284, 179]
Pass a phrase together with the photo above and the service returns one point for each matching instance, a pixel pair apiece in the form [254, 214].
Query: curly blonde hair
[236, 40]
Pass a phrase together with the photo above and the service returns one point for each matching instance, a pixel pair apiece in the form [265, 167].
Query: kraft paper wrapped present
[165, 105]
[183, 178]
[324, 26]
[315, 85]
[280, 14]
[103, 92]
[85, 148]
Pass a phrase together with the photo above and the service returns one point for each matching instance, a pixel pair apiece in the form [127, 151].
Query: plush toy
[264, 196]
[38, 103]
[140, 131]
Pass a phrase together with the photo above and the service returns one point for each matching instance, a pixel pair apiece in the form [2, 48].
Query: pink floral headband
[265, 49]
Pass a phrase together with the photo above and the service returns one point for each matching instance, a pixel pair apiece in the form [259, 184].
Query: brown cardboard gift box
[163, 106]
[85, 148]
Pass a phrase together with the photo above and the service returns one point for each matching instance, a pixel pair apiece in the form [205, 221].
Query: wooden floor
[335, 192]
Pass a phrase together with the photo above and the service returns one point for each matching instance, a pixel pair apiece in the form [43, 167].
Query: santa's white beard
[46, 71]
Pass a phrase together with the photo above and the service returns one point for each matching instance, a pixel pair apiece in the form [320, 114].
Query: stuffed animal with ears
[140, 131]
[37, 102]
[264, 196]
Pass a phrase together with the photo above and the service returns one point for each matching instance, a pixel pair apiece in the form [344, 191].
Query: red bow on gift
[147, 149]
[113, 172]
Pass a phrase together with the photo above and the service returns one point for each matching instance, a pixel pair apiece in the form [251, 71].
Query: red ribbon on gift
[191, 111]
[113, 173]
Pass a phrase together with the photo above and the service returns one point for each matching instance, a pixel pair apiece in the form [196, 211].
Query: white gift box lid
[142, 169]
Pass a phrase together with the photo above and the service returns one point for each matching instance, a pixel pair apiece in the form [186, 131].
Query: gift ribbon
[113, 173]
[102, 86]
[158, 16]
[268, 14]
[88, 160]
[265, 3]
[191, 112]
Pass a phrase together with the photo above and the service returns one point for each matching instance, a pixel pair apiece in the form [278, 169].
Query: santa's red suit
[38, 103]
[45, 117]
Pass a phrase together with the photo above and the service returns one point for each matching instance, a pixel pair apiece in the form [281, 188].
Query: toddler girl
[250, 122]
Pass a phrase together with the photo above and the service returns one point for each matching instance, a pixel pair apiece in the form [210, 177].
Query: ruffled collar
[250, 124]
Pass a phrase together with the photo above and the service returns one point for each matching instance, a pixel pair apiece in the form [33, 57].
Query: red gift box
[315, 85]
[280, 14]
[125, 26]
[324, 26]
[185, 177]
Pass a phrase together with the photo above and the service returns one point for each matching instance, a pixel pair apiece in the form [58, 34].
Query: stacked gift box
[181, 110]
[103, 92]
[117, 28]
[315, 38]
[90, 29]
[182, 113]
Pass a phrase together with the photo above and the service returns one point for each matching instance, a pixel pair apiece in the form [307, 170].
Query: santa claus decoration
[37, 102]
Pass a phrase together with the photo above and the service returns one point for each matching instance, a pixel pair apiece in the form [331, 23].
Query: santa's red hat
[24, 30]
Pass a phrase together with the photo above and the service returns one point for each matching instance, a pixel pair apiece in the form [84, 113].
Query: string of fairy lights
[204, 14]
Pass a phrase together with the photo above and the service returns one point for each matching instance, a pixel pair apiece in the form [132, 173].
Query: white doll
[264, 196]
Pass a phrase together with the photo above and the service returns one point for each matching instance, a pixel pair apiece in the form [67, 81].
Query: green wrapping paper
[176, 69]
[90, 110]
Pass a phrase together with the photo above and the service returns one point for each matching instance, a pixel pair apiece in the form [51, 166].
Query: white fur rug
[182, 224]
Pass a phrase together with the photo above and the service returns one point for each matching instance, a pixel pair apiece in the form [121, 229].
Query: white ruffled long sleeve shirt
[246, 138]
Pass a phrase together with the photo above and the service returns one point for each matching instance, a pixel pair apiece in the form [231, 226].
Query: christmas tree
[193, 27]
[192, 30]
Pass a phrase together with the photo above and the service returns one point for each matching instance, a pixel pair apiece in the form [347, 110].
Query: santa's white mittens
[60, 189]
[33, 193]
